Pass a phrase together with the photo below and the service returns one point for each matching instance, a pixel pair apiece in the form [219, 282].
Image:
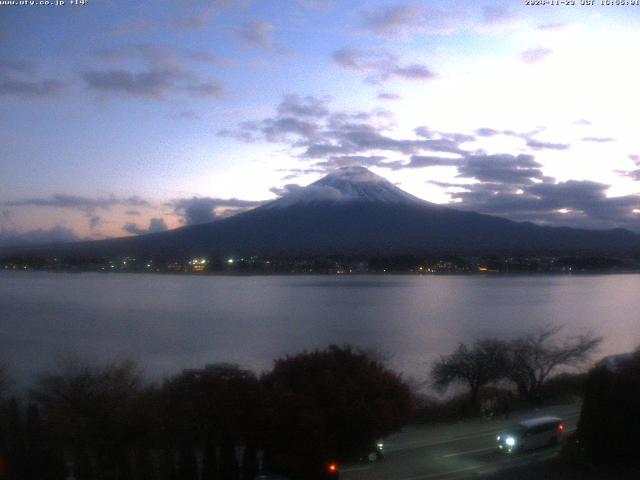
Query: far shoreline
[331, 274]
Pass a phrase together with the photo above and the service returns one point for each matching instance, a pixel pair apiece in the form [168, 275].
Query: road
[454, 451]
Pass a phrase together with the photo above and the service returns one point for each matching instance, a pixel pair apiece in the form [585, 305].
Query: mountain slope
[352, 211]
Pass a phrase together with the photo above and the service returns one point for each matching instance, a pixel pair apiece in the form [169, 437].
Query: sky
[121, 118]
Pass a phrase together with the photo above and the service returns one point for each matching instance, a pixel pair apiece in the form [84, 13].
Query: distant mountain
[351, 211]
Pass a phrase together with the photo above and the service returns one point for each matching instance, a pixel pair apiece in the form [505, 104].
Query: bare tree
[90, 404]
[474, 367]
[535, 356]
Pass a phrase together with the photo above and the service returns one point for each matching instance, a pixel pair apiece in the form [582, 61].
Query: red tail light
[333, 468]
[561, 427]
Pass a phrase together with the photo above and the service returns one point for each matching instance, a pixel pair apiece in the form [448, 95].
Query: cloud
[361, 137]
[298, 172]
[205, 89]
[296, 117]
[316, 5]
[202, 56]
[13, 65]
[275, 129]
[156, 56]
[132, 27]
[486, 132]
[515, 187]
[7, 215]
[196, 210]
[535, 55]
[380, 66]
[505, 184]
[421, 161]
[406, 19]
[527, 136]
[76, 202]
[187, 115]
[388, 96]
[497, 15]
[30, 89]
[553, 26]
[155, 225]
[340, 161]
[152, 83]
[308, 127]
[307, 106]
[57, 234]
[449, 184]
[17, 79]
[634, 174]
[393, 20]
[502, 168]
[94, 222]
[582, 121]
[538, 145]
[257, 34]
[149, 54]
[158, 75]
[200, 12]
[310, 193]
[598, 139]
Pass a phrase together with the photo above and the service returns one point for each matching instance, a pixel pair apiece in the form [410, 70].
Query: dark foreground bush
[330, 405]
[102, 422]
[609, 425]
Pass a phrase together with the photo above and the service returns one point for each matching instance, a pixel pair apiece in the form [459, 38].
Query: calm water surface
[171, 322]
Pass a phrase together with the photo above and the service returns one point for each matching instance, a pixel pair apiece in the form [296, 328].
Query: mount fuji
[351, 211]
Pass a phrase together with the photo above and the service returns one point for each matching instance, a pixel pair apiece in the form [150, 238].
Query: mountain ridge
[351, 211]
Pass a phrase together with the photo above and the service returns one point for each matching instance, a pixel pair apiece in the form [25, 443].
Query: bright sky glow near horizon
[120, 118]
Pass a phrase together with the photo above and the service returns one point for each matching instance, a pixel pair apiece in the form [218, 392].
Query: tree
[144, 465]
[209, 461]
[228, 462]
[475, 367]
[187, 464]
[330, 405]
[167, 465]
[535, 356]
[96, 410]
[209, 405]
[250, 462]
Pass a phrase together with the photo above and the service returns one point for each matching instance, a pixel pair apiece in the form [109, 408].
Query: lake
[171, 322]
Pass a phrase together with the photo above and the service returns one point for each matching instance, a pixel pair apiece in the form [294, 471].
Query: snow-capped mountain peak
[347, 184]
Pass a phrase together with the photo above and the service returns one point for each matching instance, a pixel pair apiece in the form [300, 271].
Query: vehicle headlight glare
[510, 441]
